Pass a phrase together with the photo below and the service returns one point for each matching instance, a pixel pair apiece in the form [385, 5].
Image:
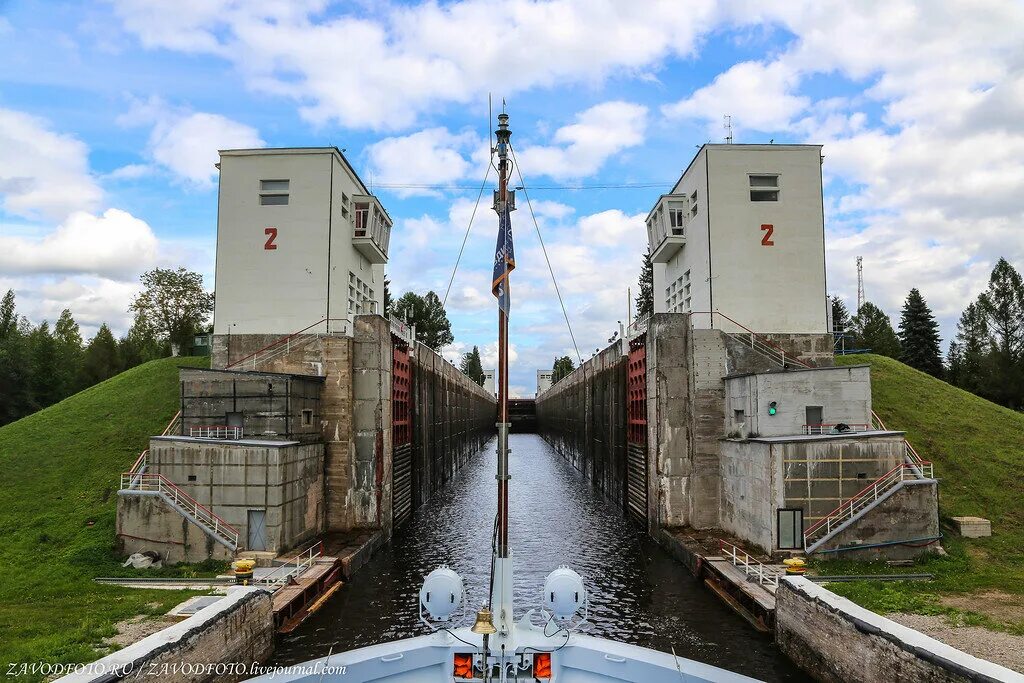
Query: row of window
[361, 299]
[677, 294]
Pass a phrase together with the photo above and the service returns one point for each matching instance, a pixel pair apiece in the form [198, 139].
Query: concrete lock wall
[282, 479]
[583, 417]
[837, 641]
[453, 417]
[751, 492]
[218, 643]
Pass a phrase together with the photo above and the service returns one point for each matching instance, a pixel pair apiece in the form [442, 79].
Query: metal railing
[757, 342]
[753, 568]
[836, 428]
[402, 329]
[910, 455]
[638, 326]
[285, 572]
[202, 515]
[849, 508]
[290, 342]
[216, 432]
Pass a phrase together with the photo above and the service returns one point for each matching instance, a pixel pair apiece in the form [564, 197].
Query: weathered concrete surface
[837, 641]
[973, 527]
[814, 349]
[902, 526]
[453, 417]
[264, 404]
[285, 479]
[146, 521]
[751, 492]
[583, 417]
[843, 394]
[217, 643]
[231, 348]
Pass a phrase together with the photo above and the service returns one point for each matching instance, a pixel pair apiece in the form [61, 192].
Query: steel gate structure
[401, 433]
[636, 430]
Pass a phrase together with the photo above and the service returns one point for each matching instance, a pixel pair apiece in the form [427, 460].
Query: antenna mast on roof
[728, 129]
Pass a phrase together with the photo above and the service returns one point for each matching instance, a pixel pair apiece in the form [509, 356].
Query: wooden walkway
[291, 601]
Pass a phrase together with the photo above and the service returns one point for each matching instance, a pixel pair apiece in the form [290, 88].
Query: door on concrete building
[791, 528]
[257, 530]
[814, 416]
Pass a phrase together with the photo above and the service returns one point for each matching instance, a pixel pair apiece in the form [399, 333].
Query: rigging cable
[536, 225]
[469, 227]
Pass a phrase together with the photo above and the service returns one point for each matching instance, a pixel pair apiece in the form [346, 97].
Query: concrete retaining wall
[147, 521]
[453, 417]
[583, 417]
[208, 646]
[837, 641]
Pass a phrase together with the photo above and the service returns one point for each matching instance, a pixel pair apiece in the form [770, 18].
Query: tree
[15, 393]
[873, 330]
[176, 304]
[1003, 306]
[919, 336]
[840, 315]
[429, 317]
[44, 383]
[472, 367]
[140, 344]
[563, 366]
[68, 339]
[969, 352]
[645, 297]
[387, 296]
[100, 361]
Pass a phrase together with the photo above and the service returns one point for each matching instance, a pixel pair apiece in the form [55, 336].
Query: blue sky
[111, 114]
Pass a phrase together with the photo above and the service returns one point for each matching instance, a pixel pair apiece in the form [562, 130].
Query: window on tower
[273, 192]
[764, 188]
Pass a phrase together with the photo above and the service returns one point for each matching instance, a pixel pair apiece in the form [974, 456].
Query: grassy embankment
[58, 488]
[978, 451]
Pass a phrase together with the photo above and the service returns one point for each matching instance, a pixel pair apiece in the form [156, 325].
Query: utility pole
[860, 283]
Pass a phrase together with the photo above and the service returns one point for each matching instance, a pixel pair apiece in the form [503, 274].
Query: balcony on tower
[666, 226]
[371, 228]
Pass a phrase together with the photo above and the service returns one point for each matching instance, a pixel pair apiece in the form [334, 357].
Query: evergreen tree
[44, 380]
[920, 345]
[840, 315]
[140, 344]
[387, 296]
[563, 366]
[472, 367]
[15, 394]
[645, 297]
[100, 361]
[176, 304]
[68, 340]
[1003, 306]
[429, 317]
[969, 352]
[873, 330]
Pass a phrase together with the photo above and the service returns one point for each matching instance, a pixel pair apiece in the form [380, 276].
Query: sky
[111, 115]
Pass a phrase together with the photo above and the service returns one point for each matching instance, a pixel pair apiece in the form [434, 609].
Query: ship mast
[501, 206]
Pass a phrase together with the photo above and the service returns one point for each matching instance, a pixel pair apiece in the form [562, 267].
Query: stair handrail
[852, 505]
[295, 567]
[161, 484]
[751, 566]
[754, 336]
[286, 339]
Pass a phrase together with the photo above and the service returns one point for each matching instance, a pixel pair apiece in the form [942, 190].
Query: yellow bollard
[243, 571]
[795, 566]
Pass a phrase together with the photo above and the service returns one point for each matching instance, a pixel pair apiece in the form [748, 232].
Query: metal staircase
[137, 481]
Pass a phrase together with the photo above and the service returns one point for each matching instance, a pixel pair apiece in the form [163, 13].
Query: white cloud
[43, 174]
[433, 156]
[581, 148]
[186, 143]
[114, 245]
[613, 227]
[410, 59]
[756, 95]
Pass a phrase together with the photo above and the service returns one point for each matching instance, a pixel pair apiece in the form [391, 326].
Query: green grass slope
[978, 451]
[58, 492]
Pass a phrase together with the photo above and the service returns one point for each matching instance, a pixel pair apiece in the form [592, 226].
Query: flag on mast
[504, 260]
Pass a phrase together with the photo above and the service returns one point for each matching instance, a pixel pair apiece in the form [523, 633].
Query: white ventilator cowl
[442, 593]
[564, 592]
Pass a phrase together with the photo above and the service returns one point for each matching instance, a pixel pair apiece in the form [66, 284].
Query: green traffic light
[772, 408]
